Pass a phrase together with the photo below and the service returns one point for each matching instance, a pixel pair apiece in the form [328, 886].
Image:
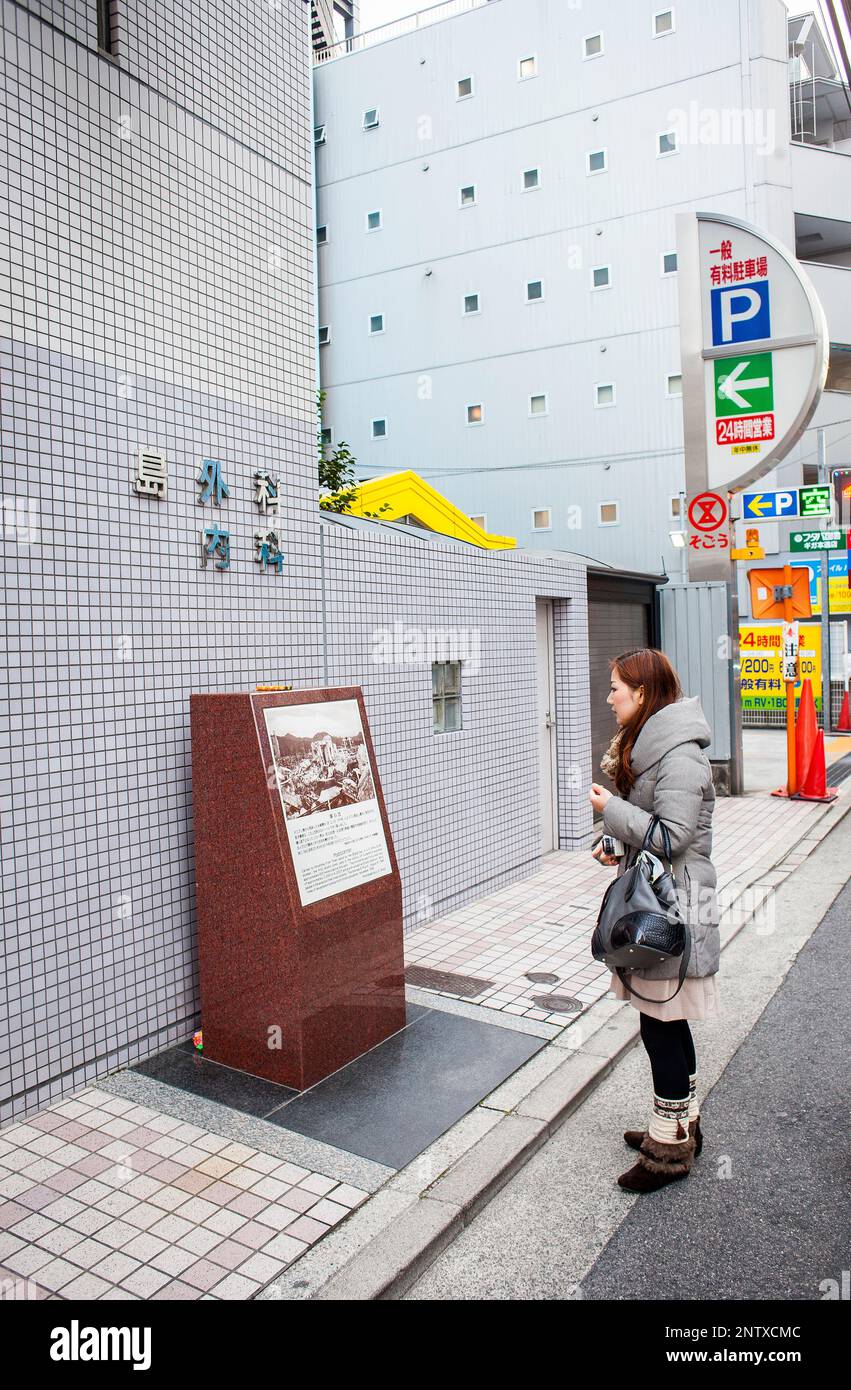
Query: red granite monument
[299, 900]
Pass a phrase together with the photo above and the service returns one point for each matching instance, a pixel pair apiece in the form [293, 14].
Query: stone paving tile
[543, 923]
[104, 1199]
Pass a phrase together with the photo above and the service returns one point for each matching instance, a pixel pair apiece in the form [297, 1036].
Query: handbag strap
[666, 839]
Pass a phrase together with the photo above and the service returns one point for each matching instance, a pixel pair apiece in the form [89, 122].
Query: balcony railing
[406, 25]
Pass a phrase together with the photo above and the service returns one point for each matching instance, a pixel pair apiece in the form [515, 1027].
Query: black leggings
[670, 1047]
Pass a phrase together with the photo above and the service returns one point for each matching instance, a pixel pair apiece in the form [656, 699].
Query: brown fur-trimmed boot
[659, 1164]
[635, 1137]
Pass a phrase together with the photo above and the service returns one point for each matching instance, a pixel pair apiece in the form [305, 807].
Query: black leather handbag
[641, 921]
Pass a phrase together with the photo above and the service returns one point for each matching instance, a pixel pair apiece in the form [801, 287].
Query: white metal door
[547, 724]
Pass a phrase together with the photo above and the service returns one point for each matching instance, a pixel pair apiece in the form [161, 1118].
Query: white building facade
[497, 188]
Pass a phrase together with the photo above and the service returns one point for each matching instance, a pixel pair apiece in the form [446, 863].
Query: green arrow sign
[744, 385]
[814, 501]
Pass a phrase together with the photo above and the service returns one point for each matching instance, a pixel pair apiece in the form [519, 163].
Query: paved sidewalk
[543, 923]
[135, 1188]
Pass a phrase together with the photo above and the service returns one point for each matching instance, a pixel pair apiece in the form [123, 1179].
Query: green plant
[337, 484]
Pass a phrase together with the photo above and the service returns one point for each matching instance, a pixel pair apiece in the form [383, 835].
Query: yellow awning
[409, 495]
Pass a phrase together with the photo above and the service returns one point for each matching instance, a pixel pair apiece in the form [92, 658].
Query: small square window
[319, 135]
[538, 405]
[600, 277]
[534, 290]
[475, 414]
[669, 262]
[480, 520]
[376, 323]
[676, 508]
[378, 429]
[542, 519]
[326, 436]
[321, 235]
[527, 67]
[667, 143]
[608, 514]
[464, 87]
[674, 384]
[593, 46]
[604, 393]
[467, 195]
[595, 162]
[324, 335]
[370, 118]
[373, 221]
[446, 696]
[531, 179]
[471, 304]
[663, 23]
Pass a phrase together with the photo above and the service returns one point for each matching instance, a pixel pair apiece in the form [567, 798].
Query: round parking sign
[707, 511]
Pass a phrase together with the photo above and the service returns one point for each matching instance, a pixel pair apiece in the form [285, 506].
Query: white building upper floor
[497, 188]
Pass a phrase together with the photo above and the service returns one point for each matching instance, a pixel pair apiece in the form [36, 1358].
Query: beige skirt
[698, 997]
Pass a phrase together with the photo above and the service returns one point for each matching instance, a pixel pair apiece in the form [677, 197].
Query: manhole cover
[466, 985]
[541, 977]
[557, 1003]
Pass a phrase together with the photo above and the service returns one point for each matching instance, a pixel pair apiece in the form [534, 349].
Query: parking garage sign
[754, 353]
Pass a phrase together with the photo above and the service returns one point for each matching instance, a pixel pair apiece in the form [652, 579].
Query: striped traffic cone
[814, 785]
[806, 727]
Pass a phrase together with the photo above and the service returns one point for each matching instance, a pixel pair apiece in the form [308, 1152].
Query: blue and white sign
[754, 346]
[758, 506]
[740, 313]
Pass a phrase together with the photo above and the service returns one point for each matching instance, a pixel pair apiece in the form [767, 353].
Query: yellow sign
[761, 652]
[748, 552]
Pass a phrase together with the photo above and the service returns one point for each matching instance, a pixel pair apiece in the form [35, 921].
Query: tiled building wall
[573, 719]
[463, 806]
[157, 290]
[156, 283]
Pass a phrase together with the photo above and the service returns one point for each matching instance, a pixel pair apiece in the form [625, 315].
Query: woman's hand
[598, 796]
[602, 858]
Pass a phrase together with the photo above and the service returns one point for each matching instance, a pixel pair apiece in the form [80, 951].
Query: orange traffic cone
[806, 727]
[844, 725]
[814, 786]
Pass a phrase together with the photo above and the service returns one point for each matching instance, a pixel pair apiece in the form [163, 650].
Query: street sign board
[761, 672]
[754, 350]
[818, 540]
[708, 512]
[793, 501]
[815, 500]
[789, 653]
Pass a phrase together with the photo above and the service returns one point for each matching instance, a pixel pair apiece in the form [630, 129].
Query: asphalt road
[766, 1212]
[777, 1121]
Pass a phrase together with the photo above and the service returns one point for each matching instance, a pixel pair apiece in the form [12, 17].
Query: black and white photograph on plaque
[322, 770]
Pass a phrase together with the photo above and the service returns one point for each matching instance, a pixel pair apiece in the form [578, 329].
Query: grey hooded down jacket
[674, 782]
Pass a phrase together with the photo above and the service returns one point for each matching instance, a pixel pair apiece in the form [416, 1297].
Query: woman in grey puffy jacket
[659, 767]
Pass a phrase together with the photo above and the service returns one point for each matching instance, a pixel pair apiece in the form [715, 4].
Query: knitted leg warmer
[693, 1107]
[668, 1148]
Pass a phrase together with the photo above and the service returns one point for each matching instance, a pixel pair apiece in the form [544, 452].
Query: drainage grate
[838, 771]
[557, 1003]
[541, 977]
[466, 985]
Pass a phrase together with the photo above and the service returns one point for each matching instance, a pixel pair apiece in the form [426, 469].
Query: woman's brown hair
[651, 668]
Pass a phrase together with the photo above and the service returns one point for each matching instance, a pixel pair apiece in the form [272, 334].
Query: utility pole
[824, 478]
